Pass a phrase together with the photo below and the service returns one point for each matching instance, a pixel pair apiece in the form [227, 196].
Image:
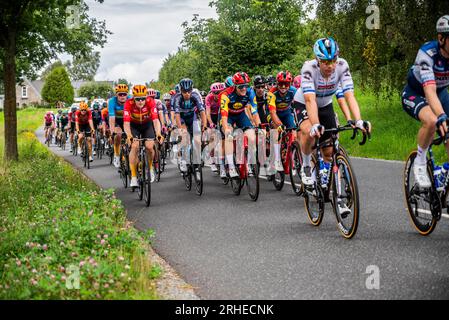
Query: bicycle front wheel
[295, 169]
[198, 177]
[345, 197]
[252, 182]
[146, 181]
[423, 205]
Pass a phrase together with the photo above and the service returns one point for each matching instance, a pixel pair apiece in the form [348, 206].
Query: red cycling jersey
[136, 115]
[83, 119]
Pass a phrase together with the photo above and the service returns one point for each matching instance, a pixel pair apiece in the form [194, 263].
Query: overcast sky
[144, 33]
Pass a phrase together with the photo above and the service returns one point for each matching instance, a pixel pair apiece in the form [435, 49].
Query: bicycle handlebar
[366, 135]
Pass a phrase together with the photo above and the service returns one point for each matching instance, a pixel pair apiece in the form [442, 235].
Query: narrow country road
[229, 247]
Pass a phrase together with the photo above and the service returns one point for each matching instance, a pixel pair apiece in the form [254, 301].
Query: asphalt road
[229, 247]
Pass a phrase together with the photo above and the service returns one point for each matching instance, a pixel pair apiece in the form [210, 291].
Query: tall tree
[94, 89]
[50, 68]
[32, 32]
[84, 66]
[57, 87]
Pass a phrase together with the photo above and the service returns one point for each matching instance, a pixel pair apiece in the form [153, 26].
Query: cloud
[144, 33]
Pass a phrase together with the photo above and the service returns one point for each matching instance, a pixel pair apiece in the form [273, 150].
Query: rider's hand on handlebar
[365, 126]
[317, 130]
[442, 124]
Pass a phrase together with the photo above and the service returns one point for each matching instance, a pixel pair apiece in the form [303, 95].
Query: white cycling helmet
[166, 96]
[443, 25]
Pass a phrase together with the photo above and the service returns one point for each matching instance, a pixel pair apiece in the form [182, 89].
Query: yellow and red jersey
[136, 115]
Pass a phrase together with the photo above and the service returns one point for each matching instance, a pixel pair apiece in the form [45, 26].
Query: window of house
[24, 92]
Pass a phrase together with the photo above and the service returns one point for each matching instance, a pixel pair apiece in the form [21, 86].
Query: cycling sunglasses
[260, 87]
[283, 85]
[122, 94]
[242, 86]
[184, 91]
[329, 62]
[140, 99]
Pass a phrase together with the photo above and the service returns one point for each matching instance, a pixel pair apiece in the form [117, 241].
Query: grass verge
[58, 230]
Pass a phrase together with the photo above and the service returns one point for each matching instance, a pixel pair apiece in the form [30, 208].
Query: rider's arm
[353, 105]
[430, 92]
[272, 108]
[111, 111]
[209, 119]
[127, 122]
[312, 108]
[224, 108]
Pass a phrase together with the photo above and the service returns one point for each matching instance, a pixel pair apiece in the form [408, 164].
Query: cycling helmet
[140, 90]
[65, 113]
[259, 80]
[217, 87]
[297, 82]
[284, 76]
[172, 92]
[48, 113]
[177, 89]
[60, 111]
[271, 80]
[228, 82]
[166, 96]
[158, 95]
[326, 49]
[121, 88]
[105, 105]
[443, 25]
[240, 78]
[203, 94]
[151, 93]
[96, 106]
[186, 85]
[73, 109]
[84, 106]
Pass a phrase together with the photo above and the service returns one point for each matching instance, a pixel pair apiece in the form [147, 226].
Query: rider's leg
[425, 133]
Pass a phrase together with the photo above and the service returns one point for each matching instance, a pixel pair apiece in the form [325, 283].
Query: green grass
[52, 219]
[394, 131]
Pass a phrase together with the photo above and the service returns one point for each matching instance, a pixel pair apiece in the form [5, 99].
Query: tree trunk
[9, 64]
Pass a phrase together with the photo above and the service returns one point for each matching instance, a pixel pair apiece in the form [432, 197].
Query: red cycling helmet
[240, 78]
[284, 76]
[172, 92]
[297, 82]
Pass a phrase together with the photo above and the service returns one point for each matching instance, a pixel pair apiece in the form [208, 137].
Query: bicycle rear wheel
[423, 205]
[278, 180]
[198, 177]
[314, 199]
[188, 178]
[252, 183]
[123, 170]
[295, 169]
[345, 193]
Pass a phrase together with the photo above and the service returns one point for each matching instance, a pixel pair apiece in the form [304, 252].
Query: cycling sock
[421, 157]
[133, 170]
[306, 159]
[277, 152]
[230, 160]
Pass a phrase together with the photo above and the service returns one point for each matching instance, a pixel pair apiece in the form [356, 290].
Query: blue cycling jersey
[115, 109]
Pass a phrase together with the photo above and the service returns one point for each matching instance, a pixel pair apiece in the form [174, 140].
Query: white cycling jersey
[324, 89]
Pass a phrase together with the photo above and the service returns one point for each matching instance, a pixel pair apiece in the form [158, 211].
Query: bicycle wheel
[198, 177]
[188, 177]
[163, 157]
[123, 170]
[252, 183]
[423, 205]
[314, 199]
[146, 181]
[295, 169]
[237, 183]
[345, 193]
[157, 165]
[278, 180]
[140, 178]
[86, 153]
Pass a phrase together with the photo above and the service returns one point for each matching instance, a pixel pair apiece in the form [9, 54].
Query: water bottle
[439, 178]
[324, 172]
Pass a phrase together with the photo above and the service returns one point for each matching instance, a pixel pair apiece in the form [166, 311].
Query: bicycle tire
[295, 170]
[146, 181]
[253, 193]
[423, 229]
[315, 215]
[198, 170]
[348, 231]
[278, 180]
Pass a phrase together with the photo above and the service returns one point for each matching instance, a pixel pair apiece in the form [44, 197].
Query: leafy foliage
[95, 89]
[57, 87]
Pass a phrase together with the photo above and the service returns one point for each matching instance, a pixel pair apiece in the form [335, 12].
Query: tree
[32, 32]
[57, 87]
[94, 89]
[84, 66]
[50, 68]
[123, 81]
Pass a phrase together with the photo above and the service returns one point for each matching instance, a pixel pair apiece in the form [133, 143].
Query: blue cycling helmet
[326, 49]
[158, 95]
[186, 85]
[229, 82]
